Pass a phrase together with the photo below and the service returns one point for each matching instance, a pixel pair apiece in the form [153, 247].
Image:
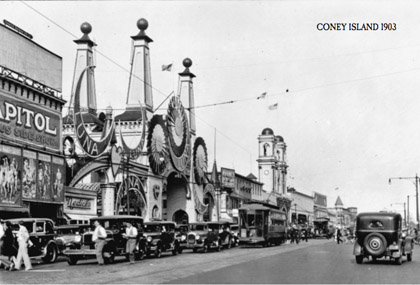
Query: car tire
[410, 256]
[109, 257]
[359, 259]
[51, 255]
[72, 260]
[375, 244]
[180, 249]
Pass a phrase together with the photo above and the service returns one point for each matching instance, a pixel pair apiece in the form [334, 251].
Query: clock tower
[272, 167]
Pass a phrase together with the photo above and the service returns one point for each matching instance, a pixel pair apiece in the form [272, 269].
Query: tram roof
[258, 207]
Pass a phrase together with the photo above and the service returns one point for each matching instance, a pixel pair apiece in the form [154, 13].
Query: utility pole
[416, 183]
[405, 214]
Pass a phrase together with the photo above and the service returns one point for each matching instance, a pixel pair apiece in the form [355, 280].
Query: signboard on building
[27, 124]
[320, 200]
[24, 56]
[227, 177]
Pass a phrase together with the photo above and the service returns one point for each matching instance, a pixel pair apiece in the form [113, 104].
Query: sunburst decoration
[157, 146]
[200, 160]
[177, 126]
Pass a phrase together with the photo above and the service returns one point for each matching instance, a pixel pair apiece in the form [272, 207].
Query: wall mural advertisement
[29, 175]
[58, 179]
[10, 186]
[44, 178]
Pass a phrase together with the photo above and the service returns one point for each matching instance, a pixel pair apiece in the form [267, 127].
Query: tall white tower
[272, 167]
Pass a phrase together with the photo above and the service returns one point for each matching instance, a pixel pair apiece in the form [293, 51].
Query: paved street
[315, 262]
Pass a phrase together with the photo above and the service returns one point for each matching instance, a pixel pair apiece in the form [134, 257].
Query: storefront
[79, 205]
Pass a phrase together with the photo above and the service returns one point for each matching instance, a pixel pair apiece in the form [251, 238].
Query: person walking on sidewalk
[131, 235]
[99, 235]
[23, 240]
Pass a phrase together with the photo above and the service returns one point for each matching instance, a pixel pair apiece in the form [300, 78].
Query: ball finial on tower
[187, 62]
[86, 28]
[142, 24]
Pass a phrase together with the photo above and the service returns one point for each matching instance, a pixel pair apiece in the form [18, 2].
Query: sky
[348, 100]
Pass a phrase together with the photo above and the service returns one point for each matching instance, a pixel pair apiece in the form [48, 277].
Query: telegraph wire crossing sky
[347, 101]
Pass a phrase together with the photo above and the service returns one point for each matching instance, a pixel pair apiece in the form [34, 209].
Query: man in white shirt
[99, 235]
[131, 235]
[23, 238]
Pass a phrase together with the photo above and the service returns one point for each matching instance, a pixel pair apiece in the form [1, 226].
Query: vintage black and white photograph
[209, 142]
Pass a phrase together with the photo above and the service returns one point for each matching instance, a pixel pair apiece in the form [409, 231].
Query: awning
[14, 209]
[79, 217]
[321, 220]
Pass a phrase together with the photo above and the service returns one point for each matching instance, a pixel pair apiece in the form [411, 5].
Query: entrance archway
[180, 217]
[209, 200]
[176, 196]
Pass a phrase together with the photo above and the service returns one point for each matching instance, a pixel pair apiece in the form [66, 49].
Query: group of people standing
[12, 254]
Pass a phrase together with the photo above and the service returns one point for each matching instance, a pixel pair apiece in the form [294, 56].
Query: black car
[42, 237]
[181, 233]
[380, 235]
[161, 237]
[115, 227]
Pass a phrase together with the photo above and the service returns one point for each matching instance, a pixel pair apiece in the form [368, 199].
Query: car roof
[198, 223]
[378, 215]
[72, 226]
[116, 217]
[15, 221]
[159, 223]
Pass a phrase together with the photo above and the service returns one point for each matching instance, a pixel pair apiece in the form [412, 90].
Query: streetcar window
[258, 220]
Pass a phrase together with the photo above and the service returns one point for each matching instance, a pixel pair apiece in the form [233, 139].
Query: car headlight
[197, 237]
[77, 238]
[183, 238]
[149, 238]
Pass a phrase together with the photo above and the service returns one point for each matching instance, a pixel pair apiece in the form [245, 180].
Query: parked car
[115, 241]
[42, 236]
[380, 235]
[69, 236]
[160, 237]
[209, 235]
[181, 233]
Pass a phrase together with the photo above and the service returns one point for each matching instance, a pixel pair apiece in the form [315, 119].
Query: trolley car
[261, 225]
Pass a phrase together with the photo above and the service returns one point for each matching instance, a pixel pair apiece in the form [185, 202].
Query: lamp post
[416, 183]
[405, 215]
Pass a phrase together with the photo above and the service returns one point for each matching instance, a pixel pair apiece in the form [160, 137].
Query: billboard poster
[29, 175]
[320, 199]
[228, 177]
[10, 164]
[44, 178]
[58, 176]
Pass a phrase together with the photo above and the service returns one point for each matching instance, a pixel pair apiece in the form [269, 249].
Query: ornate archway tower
[281, 165]
[84, 58]
[140, 84]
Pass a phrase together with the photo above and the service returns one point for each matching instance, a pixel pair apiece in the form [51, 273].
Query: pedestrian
[131, 235]
[22, 238]
[9, 249]
[305, 235]
[99, 235]
[2, 225]
[338, 234]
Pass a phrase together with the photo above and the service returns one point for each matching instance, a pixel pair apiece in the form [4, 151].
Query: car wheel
[359, 259]
[51, 255]
[71, 260]
[409, 256]
[179, 249]
[375, 244]
[109, 257]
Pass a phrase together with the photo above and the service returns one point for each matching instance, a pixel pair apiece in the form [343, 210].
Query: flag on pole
[262, 96]
[167, 67]
[273, 107]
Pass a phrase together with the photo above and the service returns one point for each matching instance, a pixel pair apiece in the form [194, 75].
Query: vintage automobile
[380, 235]
[208, 235]
[69, 236]
[234, 228]
[181, 233]
[42, 236]
[115, 241]
[161, 237]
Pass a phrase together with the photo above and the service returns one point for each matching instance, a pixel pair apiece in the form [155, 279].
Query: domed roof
[279, 139]
[267, 131]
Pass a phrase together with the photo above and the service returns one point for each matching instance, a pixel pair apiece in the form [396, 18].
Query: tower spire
[84, 58]
[140, 82]
[186, 92]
